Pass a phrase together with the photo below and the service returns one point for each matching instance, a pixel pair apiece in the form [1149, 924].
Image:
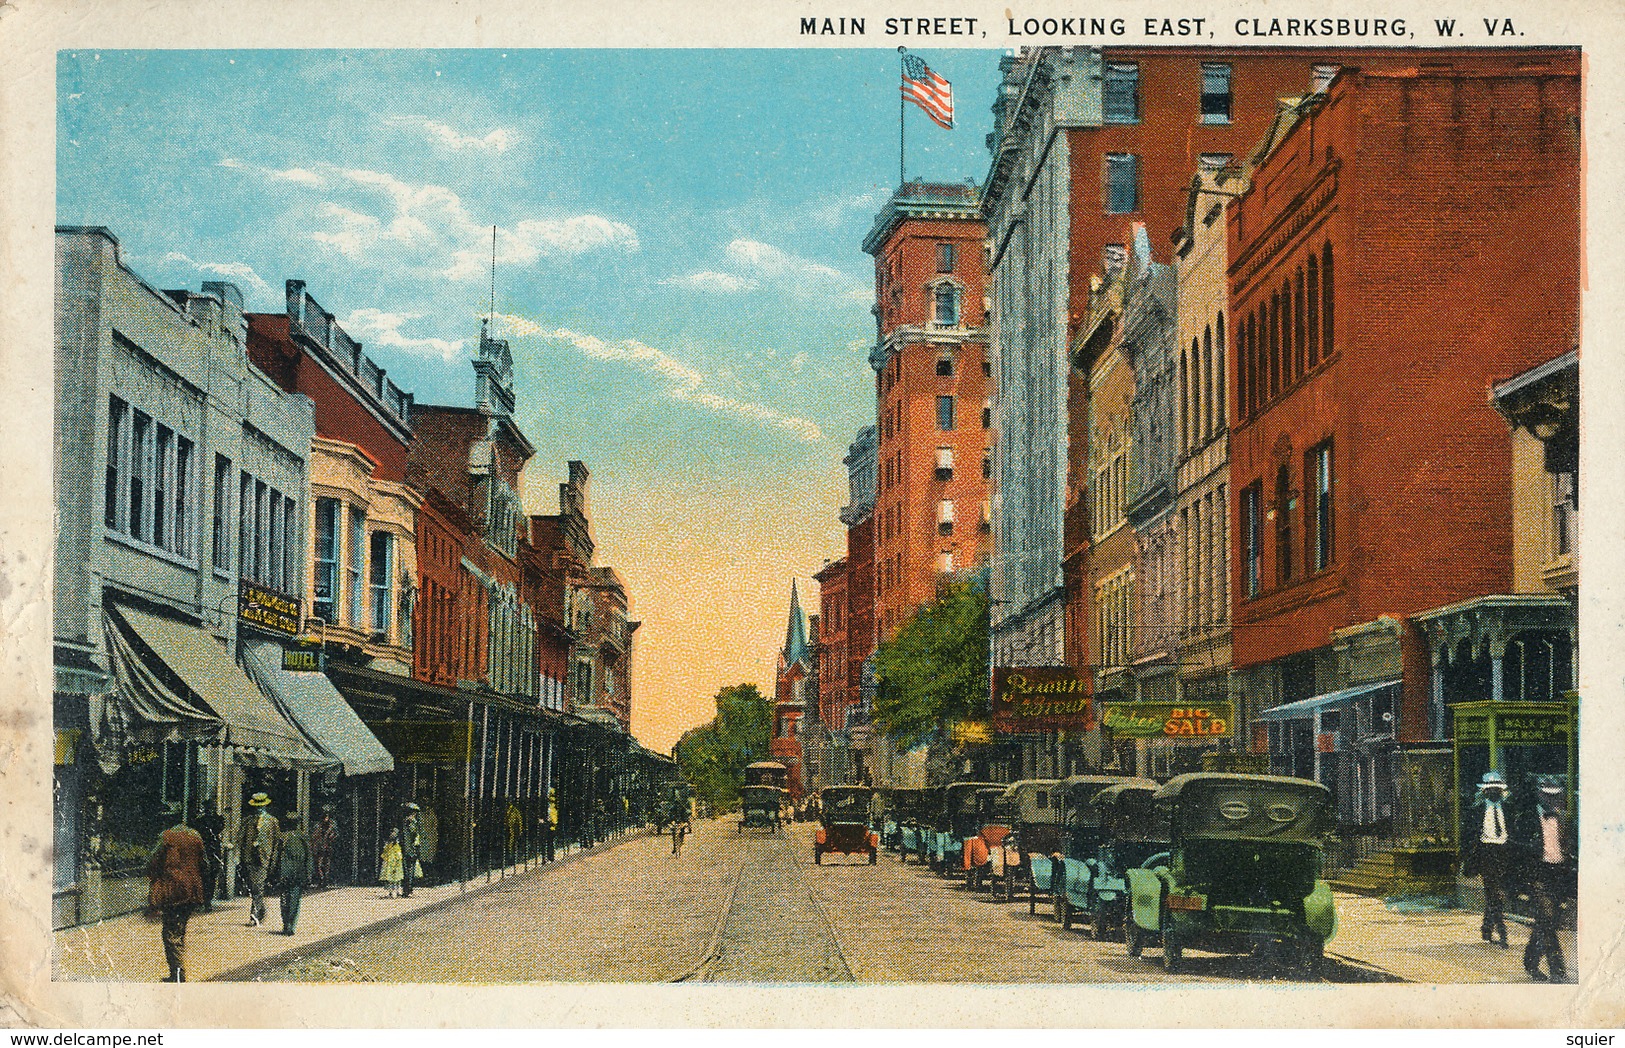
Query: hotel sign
[1041, 698]
[1170, 720]
[267, 609]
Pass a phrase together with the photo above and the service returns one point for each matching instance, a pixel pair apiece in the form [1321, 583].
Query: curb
[254, 970]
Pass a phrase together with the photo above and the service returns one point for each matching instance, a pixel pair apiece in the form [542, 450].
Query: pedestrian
[411, 848]
[1488, 853]
[296, 865]
[391, 871]
[176, 869]
[679, 830]
[324, 837]
[516, 828]
[212, 828]
[257, 853]
[552, 825]
[1552, 880]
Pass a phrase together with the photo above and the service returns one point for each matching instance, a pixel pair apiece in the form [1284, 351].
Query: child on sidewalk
[392, 872]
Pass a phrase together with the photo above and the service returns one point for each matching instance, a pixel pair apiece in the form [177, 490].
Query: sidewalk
[128, 948]
[1421, 943]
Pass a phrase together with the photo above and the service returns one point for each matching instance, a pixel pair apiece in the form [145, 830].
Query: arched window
[1299, 343]
[1185, 398]
[1275, 344]
[1221, 363]
[1328, 308]
[946, 310]
[1288, 371]
[1314, 310]
[1283, 526]
[1207, 383]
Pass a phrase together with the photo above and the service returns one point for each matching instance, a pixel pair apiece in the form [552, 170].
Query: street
[752, 907]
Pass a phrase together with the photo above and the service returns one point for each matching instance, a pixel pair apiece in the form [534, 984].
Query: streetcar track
[713, 945]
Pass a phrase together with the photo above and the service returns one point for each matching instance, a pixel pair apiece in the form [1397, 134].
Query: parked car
[843, 826]
[956, 820]
[1242, 868]
[915, 813]
[1081, 837]
[1130, 834]
[1031, 809]
[984, 848]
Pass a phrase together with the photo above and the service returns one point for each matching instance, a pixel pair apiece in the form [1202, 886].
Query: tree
[713, 756]
[933, 673]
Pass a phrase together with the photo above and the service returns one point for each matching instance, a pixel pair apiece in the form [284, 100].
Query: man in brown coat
[177, 869]
[257, 850]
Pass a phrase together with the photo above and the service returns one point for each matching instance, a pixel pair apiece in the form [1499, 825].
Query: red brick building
[1373, 309]
[834, 685]
[932, 395]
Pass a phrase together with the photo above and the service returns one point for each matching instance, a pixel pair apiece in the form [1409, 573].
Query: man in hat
[1551, 867]
[257, 851]
[177, 870]
[296, 865]
[212, 828]
[1487, 850]
[411, 846]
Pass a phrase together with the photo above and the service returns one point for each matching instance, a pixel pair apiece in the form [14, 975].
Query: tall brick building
[1086, 143]
[1373, 310]
[932, 395]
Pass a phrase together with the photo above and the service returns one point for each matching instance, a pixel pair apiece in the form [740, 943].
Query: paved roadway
[745, 908]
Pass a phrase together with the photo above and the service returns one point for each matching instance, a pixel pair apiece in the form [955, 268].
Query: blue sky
[678, 267]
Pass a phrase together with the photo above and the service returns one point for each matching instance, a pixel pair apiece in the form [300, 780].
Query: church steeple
[795, 633]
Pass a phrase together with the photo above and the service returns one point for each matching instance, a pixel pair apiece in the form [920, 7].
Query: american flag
[928, 91]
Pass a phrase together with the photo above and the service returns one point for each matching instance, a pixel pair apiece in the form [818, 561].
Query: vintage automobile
[1031, 811]
[762, 807]
[913, 811]
[767, 773]
[956, 821]
[843, 826]
[992, 825]
[1130, 834]
[1081, 837]
[1241, 870]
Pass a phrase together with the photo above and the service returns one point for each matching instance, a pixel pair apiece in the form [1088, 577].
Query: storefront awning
[1330, 700]
[316, 708]
[179, 679]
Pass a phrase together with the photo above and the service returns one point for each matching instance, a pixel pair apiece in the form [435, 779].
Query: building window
[1215, 93]
[1312, 305]
[945, 562]
[117, 421]
[325, 605]
[1328, 345]
[987, 368]
[945, 413]
[222, 513]
[1565, 511]
[1251, 538]
[141, 468]
[945, 463]
[1320, 525]
[1220, 364]
[1122, 93]
[945, 517]
[354, 554]
[1285, 506]
[1215, 161]
[381, 568]
[987, 464]
[945, 258]
[987, 414]
[163, 451]
[1122, 183]
[945, 366]
[946, 310]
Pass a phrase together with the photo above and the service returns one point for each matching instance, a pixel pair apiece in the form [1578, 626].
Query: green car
[1241, 869]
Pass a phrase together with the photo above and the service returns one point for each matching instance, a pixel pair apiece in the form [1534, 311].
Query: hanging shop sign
[1041, 698]
[302, 656]
[1170, 720]
[267, 609]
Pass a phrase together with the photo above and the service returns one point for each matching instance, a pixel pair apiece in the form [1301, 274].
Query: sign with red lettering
[1041, 698]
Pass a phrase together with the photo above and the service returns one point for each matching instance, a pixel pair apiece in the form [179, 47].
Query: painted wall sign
[1042, 698]
[1169, 720]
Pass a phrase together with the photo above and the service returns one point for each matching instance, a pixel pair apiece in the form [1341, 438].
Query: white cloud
[236, 272]
[776, 262]
[798, 361]
[683, 382]
[384, 329]
[299, 175]
[498, 140]
[711, 281]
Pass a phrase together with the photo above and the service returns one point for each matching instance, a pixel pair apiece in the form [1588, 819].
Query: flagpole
[902, 176]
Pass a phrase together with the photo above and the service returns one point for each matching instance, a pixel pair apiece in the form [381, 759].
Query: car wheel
[1066, 912]
[818, 856]
[1134, 936]
[1032, 899]
[874, 856]
[1173, 953]
[1009, 886]
[1101, 922]
[1314, 957]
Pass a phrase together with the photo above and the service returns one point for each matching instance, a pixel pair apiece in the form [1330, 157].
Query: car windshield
[1253, 810]
[845, 803]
